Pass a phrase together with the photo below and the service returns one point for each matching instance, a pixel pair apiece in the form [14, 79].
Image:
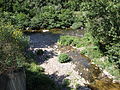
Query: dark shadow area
[43, 41]
[64, 83]
[37, 80]
[57, 78]
[59, 81]
[46, 55]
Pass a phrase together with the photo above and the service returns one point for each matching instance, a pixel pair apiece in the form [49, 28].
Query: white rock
[45, 30]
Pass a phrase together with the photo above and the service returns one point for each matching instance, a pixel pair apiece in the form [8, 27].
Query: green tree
[12, 47]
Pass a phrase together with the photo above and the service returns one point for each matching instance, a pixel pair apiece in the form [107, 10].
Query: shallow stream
[84, 67]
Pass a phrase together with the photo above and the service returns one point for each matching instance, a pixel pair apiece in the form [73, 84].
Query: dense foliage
[69, 40]
[52, 17]
[103, 20]
[12, 47]
[38, 14]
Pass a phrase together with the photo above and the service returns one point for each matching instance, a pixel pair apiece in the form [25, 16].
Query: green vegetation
[13, 55]
[66, 83]
[76, 41]
[103, 24]
[39, 14]
[12, 46]
[100, 19]
[91, 49]
[62, 58]
[69, 40]
[51, 17]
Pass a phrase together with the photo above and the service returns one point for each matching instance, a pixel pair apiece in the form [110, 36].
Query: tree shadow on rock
[60, 81]
[46, 56]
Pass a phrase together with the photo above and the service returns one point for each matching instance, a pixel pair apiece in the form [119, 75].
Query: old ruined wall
[13, 81]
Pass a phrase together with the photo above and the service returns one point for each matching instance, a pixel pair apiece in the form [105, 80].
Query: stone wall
[13, 81]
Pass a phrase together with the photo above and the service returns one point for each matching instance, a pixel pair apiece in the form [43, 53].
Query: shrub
[12, 47]
[65, 18]
[92, 52]
[63, 58]
[66, 40]
[45, 18]
[39, 14]
[52, 17]
[66, 83]
[103, 23]
[79, 19]
[72, 5]
[6, 16]
[20, 20]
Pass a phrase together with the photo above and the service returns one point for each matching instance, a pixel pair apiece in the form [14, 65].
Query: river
[90, 72]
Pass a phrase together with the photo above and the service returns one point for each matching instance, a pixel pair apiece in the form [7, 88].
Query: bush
[66, 84]
[92, 52]
[63, 58]
[6, 16]
[72, 5]
[68, 40]
[12, 48]
[103, 23]
[45, 18]
[52, 17]
[79, 19]
[39, 14]
[65, 18]
[20, 20]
